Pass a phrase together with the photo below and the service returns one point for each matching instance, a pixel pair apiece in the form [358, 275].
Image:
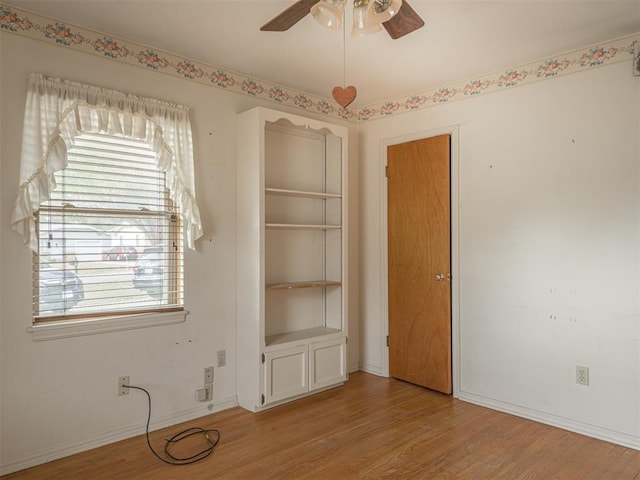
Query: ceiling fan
[399, 18]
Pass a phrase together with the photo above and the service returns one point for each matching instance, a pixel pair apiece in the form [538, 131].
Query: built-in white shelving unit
[292, 262]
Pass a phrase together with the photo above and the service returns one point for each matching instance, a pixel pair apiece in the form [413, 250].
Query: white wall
[549, 251]
[59, 396]
[549, 237]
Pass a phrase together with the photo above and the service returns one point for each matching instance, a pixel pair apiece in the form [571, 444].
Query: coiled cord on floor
[171, 459]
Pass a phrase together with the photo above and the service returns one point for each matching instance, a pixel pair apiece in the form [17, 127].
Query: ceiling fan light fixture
[329, 13]
[381, 11]
[362, 24]
[396, 16]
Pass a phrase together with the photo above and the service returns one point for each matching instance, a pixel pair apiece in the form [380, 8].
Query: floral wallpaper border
[34, 26]
[38, 27]
[614, 51]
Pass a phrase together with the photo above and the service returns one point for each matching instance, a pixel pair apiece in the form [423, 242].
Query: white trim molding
[455, 241]
[589, 430]
[80, 328]
[117, 435]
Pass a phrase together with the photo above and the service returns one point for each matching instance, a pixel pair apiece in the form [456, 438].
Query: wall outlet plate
[208, 375]
[222, 358]
[208, 392]
[201, 395]
[205, 394]
[122, 390]
[582, 375]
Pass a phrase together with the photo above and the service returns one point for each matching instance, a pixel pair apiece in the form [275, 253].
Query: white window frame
[115, 323]
[56, 112]
[84, 167]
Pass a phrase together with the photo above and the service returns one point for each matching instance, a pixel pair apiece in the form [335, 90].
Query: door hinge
[262, 398]
[386, 171]
[387, 340]
[263, 358]
[346, 340]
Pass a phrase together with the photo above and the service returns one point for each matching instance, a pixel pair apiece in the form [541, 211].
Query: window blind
[109, 237]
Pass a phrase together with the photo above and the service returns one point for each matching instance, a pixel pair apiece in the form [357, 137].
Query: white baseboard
[619, 438]
[354, 367]
[114, 436]
[594, 431]
[372, 369]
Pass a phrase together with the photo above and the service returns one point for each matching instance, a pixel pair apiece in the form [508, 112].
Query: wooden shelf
[292, 226]
[312, 284]
[299, 193]
[299, 335]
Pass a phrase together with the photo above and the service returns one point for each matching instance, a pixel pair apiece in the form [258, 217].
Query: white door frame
[455, 248]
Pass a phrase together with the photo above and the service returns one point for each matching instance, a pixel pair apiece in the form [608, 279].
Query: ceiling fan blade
[289, 17]
[404, 22]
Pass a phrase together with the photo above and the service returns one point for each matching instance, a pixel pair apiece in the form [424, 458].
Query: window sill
[80, 328]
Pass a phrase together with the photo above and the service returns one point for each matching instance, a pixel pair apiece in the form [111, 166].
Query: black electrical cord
[172, 459]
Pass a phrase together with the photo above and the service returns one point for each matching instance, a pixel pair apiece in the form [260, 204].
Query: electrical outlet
[205, 394]
[201, 395]
[122, 390]
[582, 375]
[208, 375]
[222, 358]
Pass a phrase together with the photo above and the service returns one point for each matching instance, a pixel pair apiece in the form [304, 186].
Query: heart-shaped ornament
[344, 96]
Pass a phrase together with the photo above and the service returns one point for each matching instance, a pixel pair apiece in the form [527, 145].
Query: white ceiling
[461, 39]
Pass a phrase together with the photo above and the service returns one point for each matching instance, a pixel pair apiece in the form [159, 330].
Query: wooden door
[419, 262]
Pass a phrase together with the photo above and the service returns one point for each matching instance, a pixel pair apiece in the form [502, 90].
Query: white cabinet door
[327, 363]
[286, 373]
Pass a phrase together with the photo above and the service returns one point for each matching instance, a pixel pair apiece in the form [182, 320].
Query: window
[108, 236]
[106, 202]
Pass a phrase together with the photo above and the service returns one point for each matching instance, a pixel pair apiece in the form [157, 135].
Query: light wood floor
[371, 428]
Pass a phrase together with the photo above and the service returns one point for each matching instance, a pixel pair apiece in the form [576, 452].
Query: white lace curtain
[57, 111]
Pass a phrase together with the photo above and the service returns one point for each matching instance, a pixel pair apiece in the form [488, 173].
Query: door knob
[439, 277]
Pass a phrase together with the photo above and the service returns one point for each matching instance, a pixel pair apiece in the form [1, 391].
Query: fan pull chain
[344, 54]
[346, 94]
